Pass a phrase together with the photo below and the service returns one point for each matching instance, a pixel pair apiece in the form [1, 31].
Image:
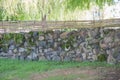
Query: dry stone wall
[86, 44]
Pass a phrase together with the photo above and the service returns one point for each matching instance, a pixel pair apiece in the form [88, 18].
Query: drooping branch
[85, 4]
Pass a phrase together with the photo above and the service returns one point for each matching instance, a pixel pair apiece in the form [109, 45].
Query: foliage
[49, 9]
[102, 57]
[68, 42]
[85, 4]
[29, 9]
[18, 38]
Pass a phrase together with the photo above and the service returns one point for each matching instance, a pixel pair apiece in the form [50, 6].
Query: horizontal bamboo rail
[26, 26]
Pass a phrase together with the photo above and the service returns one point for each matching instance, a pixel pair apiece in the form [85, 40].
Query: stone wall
[86, 44]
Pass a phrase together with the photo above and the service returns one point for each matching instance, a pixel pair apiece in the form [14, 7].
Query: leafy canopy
[85, 4]
[53, 9]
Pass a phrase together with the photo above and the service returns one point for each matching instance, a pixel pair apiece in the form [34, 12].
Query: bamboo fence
[26, 26]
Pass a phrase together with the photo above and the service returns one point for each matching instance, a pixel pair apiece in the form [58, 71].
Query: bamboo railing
[26, 26]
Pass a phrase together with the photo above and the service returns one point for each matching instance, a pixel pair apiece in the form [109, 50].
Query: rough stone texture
[81, 45]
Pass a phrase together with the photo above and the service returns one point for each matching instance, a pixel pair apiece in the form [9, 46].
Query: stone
[93, 41]
[77, 51]
[75, 45]
[109, 51]
[11, 42]
[14, 56]
[95, 51]
[85, 44]
[25, 44]
[59, 39]
[72, 33]
[40, 50]
[21, 50]
[97, 36]
[56, 58]
[118, 34]
[11, 47]
[55, 44]
[89, 58]
[45, 50]
[56, 35]
[62, 53]
[10, 52]
[74, 56]
[35, 34]
[95, 33]
[50, 43]
[66, 58]
[83, 33]
[41, 38]
[108, 39]
[42, 58]
[2, 54]
[41, 54]
[101, 33]
[111, 59]
[1, 49]
[94, 57]
[43, 44]
[33, 56]
[36, 44]
[72, 52]
[118, 58]
[86, 50]
[15, 51]
[65, 40]
[90, 53]
[64, 35]
[50, 36]
[67, 49]
[103, 45]
[55, 53]
[59, 49]
[33, 48]
[21, 57]
[81, 39]
[36, 50]
[48, 57]
[27, 36]
[84, 56]
[50, 49]
[78, 59]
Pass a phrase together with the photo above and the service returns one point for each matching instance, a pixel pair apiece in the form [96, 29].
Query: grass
[10, 69]
[68, 77]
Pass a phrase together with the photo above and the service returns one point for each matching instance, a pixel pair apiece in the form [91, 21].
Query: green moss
[5, 48]
[102, 57]
[69, 42]
[31, 33]
[40, 33]
[17, 37]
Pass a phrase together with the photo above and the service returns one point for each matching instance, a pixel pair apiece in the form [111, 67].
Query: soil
[101, 73]
[112, 74]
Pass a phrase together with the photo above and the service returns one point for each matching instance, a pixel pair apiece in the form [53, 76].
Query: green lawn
[11, 69]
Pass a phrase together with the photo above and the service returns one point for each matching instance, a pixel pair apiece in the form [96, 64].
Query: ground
[47, 70]
[78, 74]
[66, 74]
